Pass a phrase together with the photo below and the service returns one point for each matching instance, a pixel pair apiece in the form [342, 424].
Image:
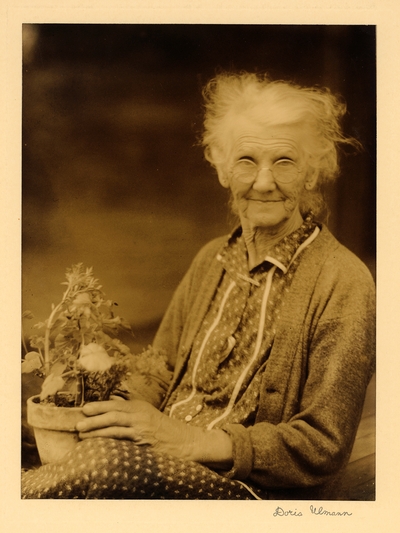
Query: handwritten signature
[314, 510]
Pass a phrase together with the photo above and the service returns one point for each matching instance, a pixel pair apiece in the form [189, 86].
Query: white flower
[94, 358]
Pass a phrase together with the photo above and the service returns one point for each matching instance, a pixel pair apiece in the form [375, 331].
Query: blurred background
[113, 176]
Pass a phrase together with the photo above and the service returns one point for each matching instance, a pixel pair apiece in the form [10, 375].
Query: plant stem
[80, 397]
[23, 340]
[48, 330]
[72, 373]
[69, 373]
[47, 340]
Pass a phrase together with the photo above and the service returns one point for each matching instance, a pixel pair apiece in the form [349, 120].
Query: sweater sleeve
[314, 441]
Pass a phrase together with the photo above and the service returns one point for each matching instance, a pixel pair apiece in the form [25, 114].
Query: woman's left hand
[144, 424]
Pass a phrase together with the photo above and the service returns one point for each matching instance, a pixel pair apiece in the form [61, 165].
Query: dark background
[112, 173]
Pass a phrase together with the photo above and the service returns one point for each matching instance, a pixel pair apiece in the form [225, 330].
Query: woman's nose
[264, 181]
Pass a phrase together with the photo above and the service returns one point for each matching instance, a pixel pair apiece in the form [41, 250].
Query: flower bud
[82, 299]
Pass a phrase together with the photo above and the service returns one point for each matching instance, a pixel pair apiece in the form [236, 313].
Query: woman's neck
[260, 240]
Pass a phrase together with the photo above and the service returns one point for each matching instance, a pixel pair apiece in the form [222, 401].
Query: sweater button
[188, 418]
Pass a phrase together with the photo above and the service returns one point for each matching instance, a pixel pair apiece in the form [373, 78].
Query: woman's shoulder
[209, 251]
[339, 261]
[205, 262]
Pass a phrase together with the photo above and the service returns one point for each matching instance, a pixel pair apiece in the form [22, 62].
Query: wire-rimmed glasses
[283, 171]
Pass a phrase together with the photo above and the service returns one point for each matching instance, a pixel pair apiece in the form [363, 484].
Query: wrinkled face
[267, 202]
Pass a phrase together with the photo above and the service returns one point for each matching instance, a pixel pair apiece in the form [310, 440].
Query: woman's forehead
[247, 131]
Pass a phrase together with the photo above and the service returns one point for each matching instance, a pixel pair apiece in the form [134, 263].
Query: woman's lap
[118, 469]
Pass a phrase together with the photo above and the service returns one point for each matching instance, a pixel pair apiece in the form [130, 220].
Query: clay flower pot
[54, 428]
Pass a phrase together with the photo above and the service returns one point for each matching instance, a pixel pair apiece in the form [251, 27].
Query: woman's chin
[267, 218]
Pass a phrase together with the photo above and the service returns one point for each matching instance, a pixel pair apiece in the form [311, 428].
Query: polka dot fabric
[102, 468]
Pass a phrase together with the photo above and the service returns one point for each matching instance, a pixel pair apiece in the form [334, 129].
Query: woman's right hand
[144, 424]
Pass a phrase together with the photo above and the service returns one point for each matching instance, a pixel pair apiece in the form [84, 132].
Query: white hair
[276, 102]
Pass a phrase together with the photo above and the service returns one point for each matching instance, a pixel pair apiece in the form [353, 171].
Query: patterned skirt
[103, 468]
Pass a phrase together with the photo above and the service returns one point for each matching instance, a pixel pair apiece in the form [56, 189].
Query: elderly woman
[269, 337]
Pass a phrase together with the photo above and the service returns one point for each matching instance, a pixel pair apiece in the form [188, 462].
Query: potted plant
[81, 358]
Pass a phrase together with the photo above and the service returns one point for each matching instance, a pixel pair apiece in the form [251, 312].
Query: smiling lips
[265, 200]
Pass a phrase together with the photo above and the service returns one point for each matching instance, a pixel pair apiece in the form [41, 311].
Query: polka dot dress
[102, 468]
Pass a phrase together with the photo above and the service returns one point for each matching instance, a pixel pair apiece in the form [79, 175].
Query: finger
[114, 432]
[105, 420]
[97, 408]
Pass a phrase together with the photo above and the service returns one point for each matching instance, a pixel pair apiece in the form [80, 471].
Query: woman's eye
[246, 160]
[284, 162]
[245, 165]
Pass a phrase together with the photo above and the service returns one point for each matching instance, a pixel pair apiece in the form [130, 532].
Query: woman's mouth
[265, 200]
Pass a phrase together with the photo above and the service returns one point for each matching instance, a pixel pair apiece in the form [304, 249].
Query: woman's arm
[316, 433]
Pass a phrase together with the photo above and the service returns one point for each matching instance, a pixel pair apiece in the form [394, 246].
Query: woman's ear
[311, 179]
[223, 177]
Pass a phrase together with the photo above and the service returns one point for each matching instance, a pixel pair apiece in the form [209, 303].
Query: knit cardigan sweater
[314, 385]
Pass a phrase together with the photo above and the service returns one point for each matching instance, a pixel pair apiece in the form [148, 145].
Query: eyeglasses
[283, 171]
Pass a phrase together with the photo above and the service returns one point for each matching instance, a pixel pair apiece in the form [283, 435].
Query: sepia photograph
[199, 262]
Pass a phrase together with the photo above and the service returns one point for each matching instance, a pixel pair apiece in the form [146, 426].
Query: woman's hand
[133, 420]
[142, 423]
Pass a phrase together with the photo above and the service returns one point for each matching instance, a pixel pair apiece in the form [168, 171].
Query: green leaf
[58, 368]
[36, 342]
[32, 362]
[51, 385]
[30, 356]
[60, 322]
[121, 347]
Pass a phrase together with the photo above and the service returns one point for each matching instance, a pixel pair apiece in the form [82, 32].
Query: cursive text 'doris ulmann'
[320, 511]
